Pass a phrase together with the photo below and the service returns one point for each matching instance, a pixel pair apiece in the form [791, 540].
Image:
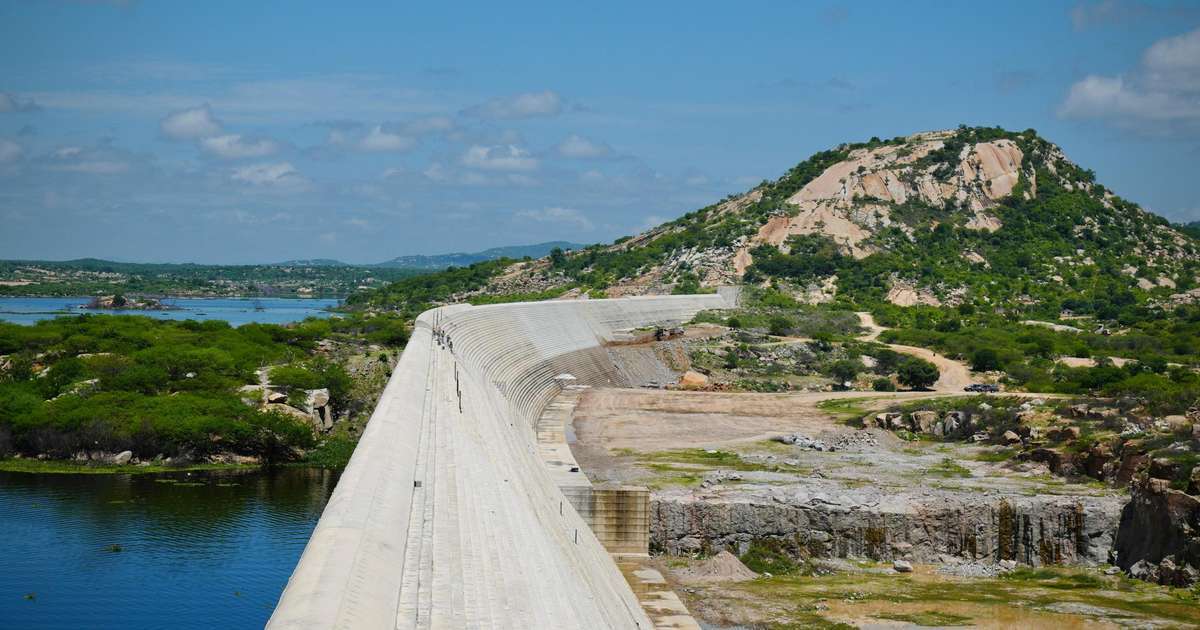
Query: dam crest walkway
[447, 516]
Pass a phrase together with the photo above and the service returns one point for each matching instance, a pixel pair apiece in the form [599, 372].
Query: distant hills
[435, 262]
[438, 262]
[460, 259]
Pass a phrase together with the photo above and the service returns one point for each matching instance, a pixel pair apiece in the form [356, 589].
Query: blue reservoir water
[205, 550]
[236, 311]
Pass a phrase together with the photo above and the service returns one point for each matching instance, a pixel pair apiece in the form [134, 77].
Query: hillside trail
[955, 375]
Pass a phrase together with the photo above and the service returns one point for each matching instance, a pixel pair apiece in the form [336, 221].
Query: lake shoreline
[33, 466]
[26, 310]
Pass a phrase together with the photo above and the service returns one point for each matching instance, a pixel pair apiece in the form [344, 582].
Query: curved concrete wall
[446, 516]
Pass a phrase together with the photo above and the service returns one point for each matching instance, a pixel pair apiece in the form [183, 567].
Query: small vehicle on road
[983, 388]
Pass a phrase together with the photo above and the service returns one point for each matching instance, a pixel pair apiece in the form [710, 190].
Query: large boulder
[319, 409]
[693, 380]
[1160, 527]
[923, 421]
[889, 420]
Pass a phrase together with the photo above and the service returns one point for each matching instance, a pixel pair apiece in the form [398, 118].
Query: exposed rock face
[850, 200]
[1159, 537]
[903, 294]
[1030, 530]
[317, 405]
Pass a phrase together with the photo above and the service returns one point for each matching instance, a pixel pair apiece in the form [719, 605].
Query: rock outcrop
[852, 199]
[1034, 531]
[318, 407]
[1159, 536]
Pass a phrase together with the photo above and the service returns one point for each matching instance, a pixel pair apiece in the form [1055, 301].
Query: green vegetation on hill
[600, 266]
[103, 383]
[1163, 348]
[1072, 245]
[411, 296]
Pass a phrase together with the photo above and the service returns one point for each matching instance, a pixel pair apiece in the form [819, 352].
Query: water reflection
[196, 551]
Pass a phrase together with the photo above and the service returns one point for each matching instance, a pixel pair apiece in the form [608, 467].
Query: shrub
[845, 370]
[918, 373]
[985, 360]
[780, 325]
[883, 385]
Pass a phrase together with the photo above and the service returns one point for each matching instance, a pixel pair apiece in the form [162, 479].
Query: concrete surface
[446, 515]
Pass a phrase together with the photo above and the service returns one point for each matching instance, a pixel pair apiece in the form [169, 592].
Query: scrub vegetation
[103, 383]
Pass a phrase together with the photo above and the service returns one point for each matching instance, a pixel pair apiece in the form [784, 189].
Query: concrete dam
[456, 510]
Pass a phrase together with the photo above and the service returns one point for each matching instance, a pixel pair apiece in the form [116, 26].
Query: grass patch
[332, 453]
[710, 459]
[948, 468]
[848, 410]
[1050, 578]
[1028, 595]
[679, 479]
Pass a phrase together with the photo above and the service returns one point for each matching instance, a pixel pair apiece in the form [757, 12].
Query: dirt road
[954, 374]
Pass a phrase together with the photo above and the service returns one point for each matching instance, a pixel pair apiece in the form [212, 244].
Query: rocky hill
[971, 215]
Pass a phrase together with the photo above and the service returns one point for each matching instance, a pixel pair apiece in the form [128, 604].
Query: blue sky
[254, 132]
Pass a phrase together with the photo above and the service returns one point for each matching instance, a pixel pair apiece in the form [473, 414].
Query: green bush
[767, 555]
[985, 360]
[883, 385]
[917, 373]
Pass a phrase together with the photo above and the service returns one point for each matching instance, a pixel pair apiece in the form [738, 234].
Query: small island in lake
[120, 302]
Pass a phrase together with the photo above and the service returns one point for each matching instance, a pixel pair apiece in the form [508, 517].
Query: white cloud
[281, 175]
[10, 102]
[575, 146]
[377, 139]
[528, 105]
[1174, 63]
[234, 146]
[190, 124]
[569, 216]
[9, 151]
[1163, 92]
[499, 158]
